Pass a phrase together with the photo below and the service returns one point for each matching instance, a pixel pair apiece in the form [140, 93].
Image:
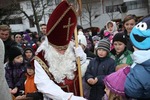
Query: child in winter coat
[111, 30]
[28, 54]
[114, 85]
[15, 71]
[29, 84]
[120, 53]
[137, 84]
[30, 87]
[98, 68]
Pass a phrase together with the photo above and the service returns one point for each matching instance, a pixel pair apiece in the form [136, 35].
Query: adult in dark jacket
[6, 38]
[98, 68]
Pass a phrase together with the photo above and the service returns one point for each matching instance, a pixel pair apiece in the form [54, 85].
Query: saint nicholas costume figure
[55, 61]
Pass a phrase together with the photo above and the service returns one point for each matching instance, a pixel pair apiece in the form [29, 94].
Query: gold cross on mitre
[68, 27]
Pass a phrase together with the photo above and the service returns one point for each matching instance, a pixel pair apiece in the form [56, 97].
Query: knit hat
[14, 52]
[94, 38]
[82, 38]
[140, 36]
[29, 66]
[115, 81]
[104, 44]
[17, 34]
[120, 37]
[79, 27]
[28, 48]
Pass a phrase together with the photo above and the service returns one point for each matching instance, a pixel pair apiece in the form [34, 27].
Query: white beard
[61, 66]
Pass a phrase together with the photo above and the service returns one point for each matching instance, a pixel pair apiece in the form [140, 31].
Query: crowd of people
[44, 66]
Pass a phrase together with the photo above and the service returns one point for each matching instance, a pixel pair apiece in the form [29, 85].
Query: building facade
[116, 10]
[95, 13]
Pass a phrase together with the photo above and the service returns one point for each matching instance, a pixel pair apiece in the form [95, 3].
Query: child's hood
[114, 26]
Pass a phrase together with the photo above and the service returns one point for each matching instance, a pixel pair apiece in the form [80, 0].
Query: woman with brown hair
[128, 23]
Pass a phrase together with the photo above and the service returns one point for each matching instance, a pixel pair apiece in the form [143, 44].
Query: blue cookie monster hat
[140, 34]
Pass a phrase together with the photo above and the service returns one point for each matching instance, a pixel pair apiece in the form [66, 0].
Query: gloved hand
[77, 98]
[80, 53]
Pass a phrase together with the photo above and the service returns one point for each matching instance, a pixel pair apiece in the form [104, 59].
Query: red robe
[67, 85]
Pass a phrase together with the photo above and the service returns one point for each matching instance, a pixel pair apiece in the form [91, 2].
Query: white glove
[77, 98]
[80, 53]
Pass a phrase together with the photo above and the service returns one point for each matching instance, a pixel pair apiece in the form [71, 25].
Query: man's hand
[80, 53]
[72, 97]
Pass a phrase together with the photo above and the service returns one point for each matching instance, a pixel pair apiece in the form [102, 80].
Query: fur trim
[61, 66]
[84, 67]
[114, 27]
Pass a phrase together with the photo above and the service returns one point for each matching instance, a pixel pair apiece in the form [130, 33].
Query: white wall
[17, 28]
[104, 17]
[98, 22]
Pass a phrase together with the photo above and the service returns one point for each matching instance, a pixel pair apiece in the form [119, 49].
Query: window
[39, 17]
[57, 1]
[37, 3]
[113, 8]
[137, 4]
[15, 21]
[28, 4]
[31, 21]
[49, 2]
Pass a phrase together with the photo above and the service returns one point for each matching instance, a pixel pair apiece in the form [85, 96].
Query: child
[120, 53]
[30, 87]
[98, 68]
[111, 30]
[15, 71]
[137, 84]
[28, 54]
[95, 40]
[114, 85]
[83, 43]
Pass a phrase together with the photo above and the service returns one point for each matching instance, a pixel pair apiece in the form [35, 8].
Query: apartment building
[95, 13]
[115, 10]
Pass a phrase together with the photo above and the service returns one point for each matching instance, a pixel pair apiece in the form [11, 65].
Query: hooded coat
[99, 67]
[137, 83]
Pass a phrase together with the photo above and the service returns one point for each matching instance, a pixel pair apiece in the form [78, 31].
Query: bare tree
[90, 11]
[6, 9]
[38, 7]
